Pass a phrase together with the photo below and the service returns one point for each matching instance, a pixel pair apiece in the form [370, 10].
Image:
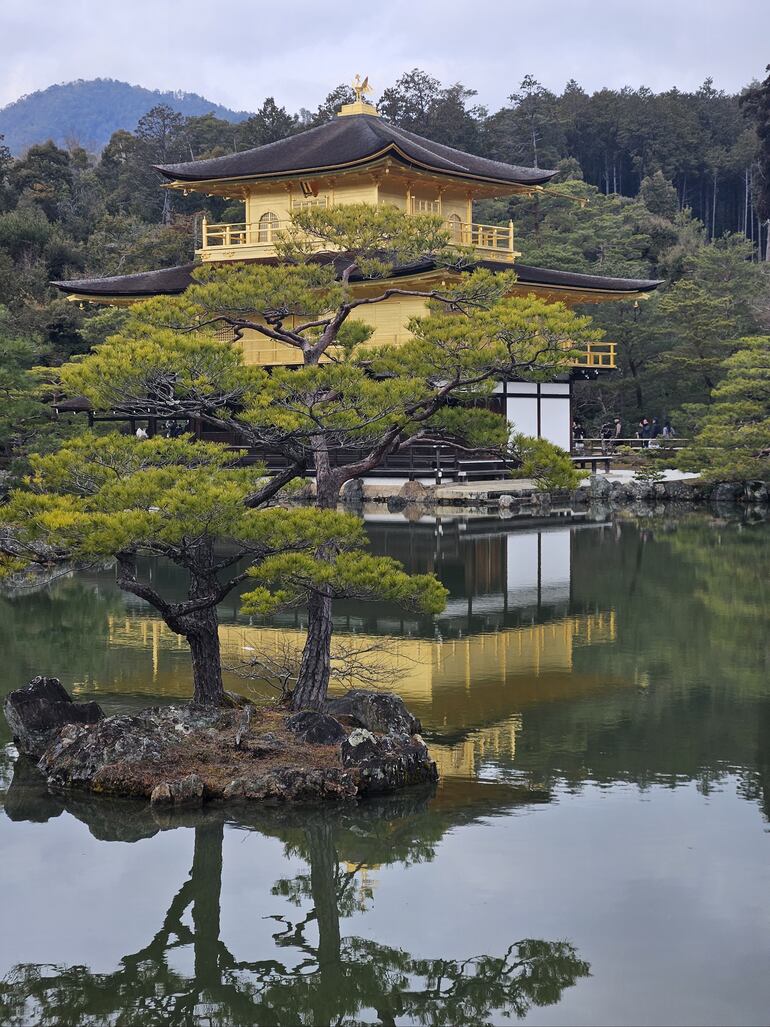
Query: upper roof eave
[358, 140]
[179, 182]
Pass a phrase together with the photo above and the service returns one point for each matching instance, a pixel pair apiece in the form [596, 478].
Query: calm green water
[597, 851]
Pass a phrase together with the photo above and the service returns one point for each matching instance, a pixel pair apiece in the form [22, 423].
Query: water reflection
[316, 973]
[599, 700]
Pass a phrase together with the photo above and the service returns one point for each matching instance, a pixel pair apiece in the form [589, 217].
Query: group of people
[611, 433]
[649, 430]
[171, 430]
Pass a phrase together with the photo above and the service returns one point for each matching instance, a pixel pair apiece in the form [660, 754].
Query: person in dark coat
[577, 436]
[645, 432]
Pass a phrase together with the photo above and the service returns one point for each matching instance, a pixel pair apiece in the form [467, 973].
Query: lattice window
[225, 333]
[268, 224]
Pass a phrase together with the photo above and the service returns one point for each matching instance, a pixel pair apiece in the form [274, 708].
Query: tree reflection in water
[325, 978]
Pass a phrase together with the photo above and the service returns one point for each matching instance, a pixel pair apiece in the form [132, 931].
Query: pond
[597, 697]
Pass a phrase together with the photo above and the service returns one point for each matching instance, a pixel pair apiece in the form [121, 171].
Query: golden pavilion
[360, 158]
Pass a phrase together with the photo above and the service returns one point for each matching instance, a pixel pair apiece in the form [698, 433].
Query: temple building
[361, 158]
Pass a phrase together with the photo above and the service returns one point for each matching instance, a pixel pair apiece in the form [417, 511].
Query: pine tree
[186, 501]
[733, 440]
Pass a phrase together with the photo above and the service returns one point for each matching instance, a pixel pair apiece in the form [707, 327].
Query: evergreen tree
[269, 124]
[733, 437]
[756, 104]
[185, 501]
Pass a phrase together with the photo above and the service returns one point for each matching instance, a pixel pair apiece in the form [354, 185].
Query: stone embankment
[366, 744]
[521, 499]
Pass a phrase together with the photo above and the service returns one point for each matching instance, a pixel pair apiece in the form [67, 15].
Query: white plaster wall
[555, 424]
[522, 414]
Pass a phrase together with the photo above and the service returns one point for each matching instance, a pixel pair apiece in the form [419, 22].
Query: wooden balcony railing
[491, 240]
[596, 355]
[263, 235]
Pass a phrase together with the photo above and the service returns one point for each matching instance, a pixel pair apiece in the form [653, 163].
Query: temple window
[268, 224]
[455, 227]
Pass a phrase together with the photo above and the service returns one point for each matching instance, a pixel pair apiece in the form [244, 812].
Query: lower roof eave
[173, 281]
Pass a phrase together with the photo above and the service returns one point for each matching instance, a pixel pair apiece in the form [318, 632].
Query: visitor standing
[645, 433]
[577, 436]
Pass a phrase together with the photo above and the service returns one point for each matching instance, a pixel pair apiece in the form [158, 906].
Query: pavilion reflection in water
[505, 642]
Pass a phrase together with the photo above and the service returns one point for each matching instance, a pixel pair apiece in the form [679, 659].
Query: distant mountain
[88, 112]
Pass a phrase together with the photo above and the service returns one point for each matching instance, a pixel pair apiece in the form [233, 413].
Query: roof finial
[361, 88]
[360, 105]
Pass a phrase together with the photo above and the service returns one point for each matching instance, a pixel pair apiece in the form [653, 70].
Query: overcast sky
[240, 51]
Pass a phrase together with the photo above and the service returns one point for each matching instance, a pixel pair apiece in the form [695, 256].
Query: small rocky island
[364, 743]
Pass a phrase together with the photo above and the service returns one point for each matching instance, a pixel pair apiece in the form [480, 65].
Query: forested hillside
[700, 141]
[670, 185]
[87, 113]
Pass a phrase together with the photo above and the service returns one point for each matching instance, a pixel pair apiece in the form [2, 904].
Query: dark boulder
[619, 492]
[316, 728]
[679, 490]
[126, 755]
[384, 712]
[640, 491]
[384, 764]
[600, 487]
[37, 712]
[727, 492]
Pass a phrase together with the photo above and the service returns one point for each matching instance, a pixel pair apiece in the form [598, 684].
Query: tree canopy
[733, 436]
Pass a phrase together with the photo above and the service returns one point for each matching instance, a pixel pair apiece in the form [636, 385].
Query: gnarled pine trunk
[315, 668]
[203, 639]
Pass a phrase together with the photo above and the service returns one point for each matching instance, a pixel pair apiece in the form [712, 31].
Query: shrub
[549, 466]
[649, 474]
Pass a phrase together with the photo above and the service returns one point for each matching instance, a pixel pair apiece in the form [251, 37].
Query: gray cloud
[239, 52]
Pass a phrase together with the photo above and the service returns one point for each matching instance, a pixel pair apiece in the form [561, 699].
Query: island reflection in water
[314, 975]
[598, 701]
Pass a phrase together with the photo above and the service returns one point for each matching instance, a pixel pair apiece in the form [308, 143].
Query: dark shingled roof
[348, 141]
[166, 282]
[174, 280]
